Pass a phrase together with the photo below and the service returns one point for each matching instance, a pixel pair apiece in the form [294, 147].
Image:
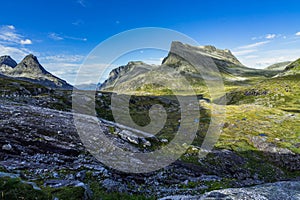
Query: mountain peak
[8, 61]
[31, 63]
[31, 70]
[207, 50]
[31, 57]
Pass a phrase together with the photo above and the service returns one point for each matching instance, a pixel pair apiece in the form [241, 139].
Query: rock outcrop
[224, 56]
[275, 191]
[118, 74]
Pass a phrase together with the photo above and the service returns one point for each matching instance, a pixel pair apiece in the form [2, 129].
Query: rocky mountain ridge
[138, 73]
[30, 69]
[208, 50]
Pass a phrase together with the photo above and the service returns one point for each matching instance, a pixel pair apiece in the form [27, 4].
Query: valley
[42, 156]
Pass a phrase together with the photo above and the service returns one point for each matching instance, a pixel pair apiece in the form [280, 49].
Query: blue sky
[62, 33]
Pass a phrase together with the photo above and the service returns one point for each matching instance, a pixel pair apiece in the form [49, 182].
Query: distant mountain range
[135, 73]
[30, 69]
[231, 69]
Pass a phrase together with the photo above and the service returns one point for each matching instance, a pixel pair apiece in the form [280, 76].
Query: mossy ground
[273, 115]
[280, 92]
[14, 188]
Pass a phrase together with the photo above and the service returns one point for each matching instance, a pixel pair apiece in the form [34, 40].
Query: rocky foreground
[274, 191]
[41, 146]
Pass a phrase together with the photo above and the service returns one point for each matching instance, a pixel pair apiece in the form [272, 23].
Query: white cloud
[69, 71]
[9, 35]
[266, 58]
[244, 52]
[11, 27]
[297, 34]
[76, 38]
[55, 36]
[63, 58]
[78, 22]
[270, 36]
[251, 56]
[257, 44]
[11, 43]
[15, 53]
[82, 3]
[27, 41]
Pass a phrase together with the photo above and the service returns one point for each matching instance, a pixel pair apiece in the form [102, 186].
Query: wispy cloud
[76, 38]
[27, 41]
[82, 3]
[11, 27]
[58, 37]
[16, 53]
[13, 43]
[64, 66]
[270, 36]
[251, 56]
[55, 36]
[244, 52]
[297, 34]
[262, 59]
[78, 22]
[9, 35]
[63, 58]
[255, 45]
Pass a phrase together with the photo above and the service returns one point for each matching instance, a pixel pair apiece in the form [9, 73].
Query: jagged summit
[118, 73]
[31, 64]
[208, 50]
[230, 68]
[31, 70]
[8, 61]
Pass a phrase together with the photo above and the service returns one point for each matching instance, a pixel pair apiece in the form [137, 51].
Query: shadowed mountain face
[136, 77]
[8, 61]
[31, 70]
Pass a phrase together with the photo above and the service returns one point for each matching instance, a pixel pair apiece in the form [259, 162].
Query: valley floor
[41, 147]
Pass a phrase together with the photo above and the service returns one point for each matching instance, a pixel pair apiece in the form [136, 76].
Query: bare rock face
[118, 75]
[210, 51]
[31, 70]
[7, 64]
[8, 61]
[30, 67]
[138, 73]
